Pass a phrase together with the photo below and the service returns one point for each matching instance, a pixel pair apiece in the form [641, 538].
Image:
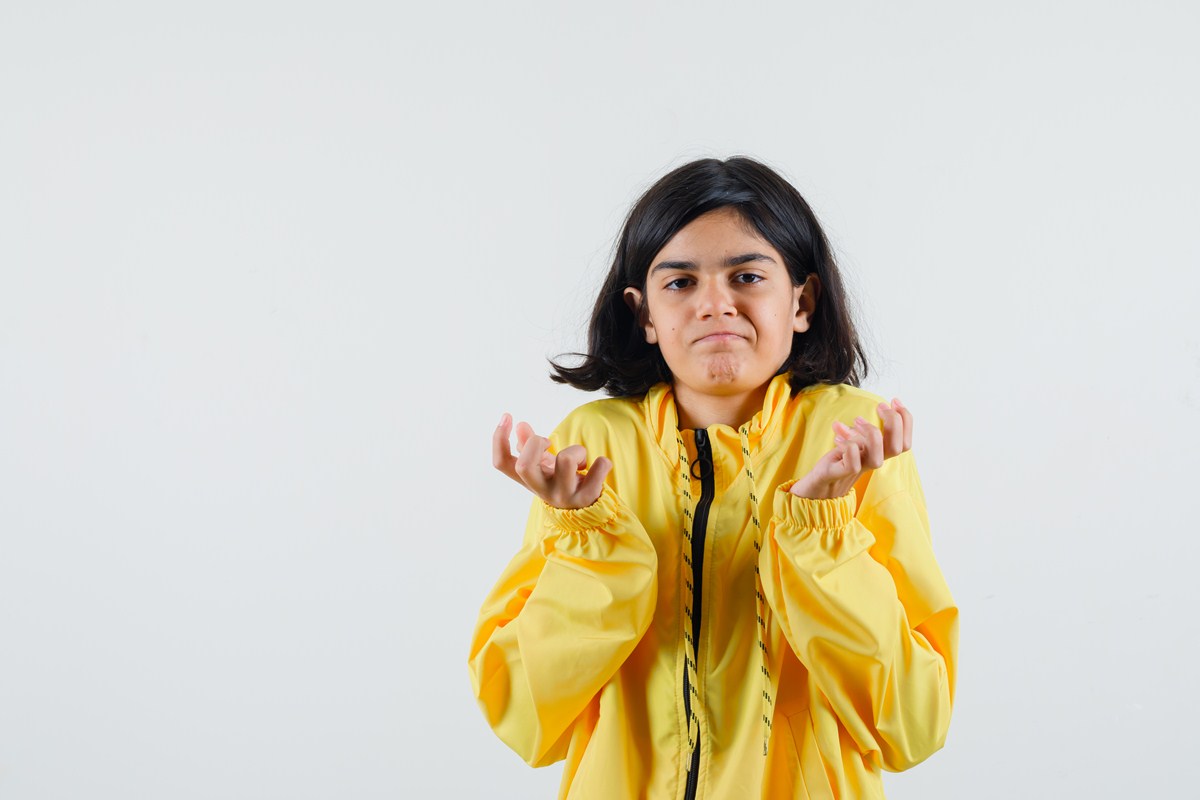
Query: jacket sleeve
[565, 614]
[863, 604]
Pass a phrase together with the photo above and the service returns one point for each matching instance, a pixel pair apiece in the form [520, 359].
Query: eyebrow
[732, 261]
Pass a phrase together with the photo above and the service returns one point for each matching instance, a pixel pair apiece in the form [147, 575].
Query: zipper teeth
[699, 534]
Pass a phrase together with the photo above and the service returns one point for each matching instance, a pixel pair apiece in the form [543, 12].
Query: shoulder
[600, 423]
[838, 400]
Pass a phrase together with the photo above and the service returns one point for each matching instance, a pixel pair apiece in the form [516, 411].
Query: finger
[839, 460]
[845, 434]
[873, 438]
[893, 430]
[501, 452]
[856, 435]
[529, 465]
[853, 459]
[502, 457]
[908, 422]
[592, 485]
[843, 447]
[524, 431]
[566, 473]
[573, 457]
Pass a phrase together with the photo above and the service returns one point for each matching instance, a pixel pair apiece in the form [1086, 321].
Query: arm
[864, 606]
[565, 614]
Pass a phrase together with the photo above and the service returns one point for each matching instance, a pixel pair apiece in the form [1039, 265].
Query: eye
[672, 287]
[755, 277]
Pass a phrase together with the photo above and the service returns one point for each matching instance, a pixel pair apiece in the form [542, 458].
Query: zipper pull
[703, 456]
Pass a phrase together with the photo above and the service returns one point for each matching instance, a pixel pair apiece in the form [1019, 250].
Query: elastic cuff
[806, 512]
[817, 535]
[571, 520]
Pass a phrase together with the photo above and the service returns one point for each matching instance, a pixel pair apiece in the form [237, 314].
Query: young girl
[726, 587]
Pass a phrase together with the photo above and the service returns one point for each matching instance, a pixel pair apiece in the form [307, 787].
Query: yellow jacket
[583, 646]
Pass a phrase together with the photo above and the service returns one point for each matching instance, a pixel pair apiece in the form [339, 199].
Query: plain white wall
[271, 273]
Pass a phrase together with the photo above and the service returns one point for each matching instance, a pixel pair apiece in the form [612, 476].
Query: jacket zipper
[699, 523]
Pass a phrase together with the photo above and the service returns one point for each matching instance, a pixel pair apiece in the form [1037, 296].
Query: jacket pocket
[818, 783]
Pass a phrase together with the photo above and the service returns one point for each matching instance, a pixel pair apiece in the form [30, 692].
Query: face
[721, 306]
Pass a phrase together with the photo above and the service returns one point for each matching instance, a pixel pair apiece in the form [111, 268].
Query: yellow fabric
[578, 652]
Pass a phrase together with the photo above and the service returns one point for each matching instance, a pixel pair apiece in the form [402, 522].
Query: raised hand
[862, 447]
[554, 478]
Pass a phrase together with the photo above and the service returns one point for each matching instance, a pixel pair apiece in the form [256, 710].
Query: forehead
[714, 239]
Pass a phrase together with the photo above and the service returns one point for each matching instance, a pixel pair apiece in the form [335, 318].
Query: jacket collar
[663, 417]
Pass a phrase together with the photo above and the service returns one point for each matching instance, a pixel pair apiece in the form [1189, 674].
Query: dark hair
[622, 363]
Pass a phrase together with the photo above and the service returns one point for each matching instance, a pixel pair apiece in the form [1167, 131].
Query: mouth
[719, 336]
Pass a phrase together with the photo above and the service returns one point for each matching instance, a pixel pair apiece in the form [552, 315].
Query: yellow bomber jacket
[827, 637]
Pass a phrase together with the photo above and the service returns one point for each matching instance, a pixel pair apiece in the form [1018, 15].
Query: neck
[698, 410]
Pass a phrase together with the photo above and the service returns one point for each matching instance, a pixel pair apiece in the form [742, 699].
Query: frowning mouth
[719, 336]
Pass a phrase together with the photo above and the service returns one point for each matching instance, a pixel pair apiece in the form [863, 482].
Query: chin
[720, 374]
[729, 375]
[718, 369]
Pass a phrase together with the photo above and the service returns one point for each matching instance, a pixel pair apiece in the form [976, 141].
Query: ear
[633, 299]
[804, 302]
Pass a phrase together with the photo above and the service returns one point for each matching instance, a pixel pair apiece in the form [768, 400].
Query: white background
[271, 273]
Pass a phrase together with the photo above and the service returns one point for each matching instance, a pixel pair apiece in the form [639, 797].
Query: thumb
[830, 466]
[592, 485]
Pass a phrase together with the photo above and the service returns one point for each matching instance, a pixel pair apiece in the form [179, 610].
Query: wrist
[595, 515]
[810, 492]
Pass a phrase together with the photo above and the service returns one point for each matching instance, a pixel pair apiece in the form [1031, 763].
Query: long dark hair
[622, 363]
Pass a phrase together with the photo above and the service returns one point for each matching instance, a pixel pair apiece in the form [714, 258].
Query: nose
[714, 299]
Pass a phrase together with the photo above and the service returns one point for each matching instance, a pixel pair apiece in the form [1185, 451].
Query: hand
[858, 448]
[555, 479]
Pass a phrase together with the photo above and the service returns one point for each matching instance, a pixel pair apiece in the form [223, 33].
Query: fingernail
[896, 400]
[860, 419]
[502, 418]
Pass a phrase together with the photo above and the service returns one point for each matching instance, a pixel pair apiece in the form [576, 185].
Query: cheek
[781, 327]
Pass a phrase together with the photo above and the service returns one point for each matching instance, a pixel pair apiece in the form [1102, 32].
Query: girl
[737, 596]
